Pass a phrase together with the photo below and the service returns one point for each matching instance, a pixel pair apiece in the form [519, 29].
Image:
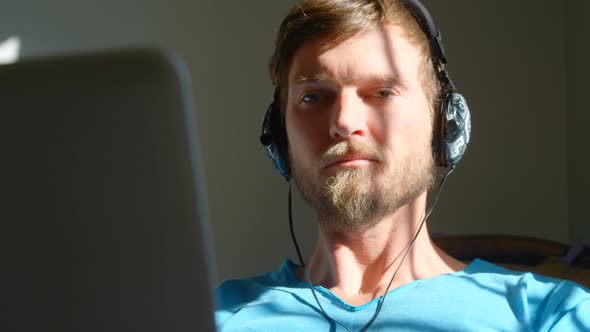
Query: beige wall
[506, 56]
[578, 72]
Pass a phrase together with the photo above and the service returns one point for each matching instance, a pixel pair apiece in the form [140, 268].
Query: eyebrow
[322, 76]
[318, 77]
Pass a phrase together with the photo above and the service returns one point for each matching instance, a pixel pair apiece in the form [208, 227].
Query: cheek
[305, 138]
[420, 119]
[404, 131]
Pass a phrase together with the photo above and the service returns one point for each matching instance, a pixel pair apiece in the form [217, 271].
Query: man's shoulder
[234, 293]
[252, 297]
[515, 298]
[483, 270]
[490, 273]
[538, 290]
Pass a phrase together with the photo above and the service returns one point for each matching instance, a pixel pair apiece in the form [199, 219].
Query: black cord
[382, 300]
[293, 232]
[317, 300]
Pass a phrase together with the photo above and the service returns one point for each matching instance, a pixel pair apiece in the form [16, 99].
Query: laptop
[104, 214]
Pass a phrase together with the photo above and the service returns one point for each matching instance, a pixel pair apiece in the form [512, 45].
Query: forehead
[383, 52]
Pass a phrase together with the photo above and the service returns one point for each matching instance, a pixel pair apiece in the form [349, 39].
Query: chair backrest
[513, 249]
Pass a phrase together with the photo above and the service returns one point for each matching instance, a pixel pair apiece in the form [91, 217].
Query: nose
[348, 118]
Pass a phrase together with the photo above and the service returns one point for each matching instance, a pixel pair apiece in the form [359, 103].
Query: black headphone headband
[427, 24]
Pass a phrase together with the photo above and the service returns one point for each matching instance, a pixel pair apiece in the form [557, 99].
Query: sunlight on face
[359, 128]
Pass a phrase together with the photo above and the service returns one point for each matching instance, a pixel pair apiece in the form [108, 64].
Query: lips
[348, 161]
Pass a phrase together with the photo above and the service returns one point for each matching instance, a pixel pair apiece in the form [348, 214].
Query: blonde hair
[338, 20]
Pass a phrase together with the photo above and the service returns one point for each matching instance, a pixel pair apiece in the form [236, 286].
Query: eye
[310, 98]
[314, 97]
[384, 94]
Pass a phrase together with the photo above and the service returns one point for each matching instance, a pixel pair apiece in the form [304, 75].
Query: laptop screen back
[104, 214]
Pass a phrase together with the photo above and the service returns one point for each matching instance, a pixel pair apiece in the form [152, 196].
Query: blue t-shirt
[482, 297]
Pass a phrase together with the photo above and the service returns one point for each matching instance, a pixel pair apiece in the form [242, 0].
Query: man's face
[359, 127]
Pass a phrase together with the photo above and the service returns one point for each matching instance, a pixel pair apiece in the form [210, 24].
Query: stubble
[358, 198]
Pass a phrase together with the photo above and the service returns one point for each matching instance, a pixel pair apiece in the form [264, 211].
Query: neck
[359, 265]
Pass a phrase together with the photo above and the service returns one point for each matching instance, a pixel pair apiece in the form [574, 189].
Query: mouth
[349, 161]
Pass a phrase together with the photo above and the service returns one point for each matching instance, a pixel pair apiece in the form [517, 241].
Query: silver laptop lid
[104, 209]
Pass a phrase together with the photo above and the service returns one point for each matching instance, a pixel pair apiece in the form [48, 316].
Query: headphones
[452, 125]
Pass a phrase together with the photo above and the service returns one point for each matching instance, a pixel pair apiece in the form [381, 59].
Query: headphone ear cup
[274, 139]
[455, 131]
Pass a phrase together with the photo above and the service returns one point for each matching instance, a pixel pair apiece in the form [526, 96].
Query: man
[359, 87]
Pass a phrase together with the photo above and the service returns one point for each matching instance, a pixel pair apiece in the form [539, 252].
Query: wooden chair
[512, 249]
[521, 253]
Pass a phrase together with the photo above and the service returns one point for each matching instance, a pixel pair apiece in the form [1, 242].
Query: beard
[354, 199]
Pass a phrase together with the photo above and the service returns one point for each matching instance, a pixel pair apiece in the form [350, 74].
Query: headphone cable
[382, 299]
[302, 263]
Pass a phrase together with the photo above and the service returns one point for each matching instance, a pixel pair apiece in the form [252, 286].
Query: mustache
[346, 148]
